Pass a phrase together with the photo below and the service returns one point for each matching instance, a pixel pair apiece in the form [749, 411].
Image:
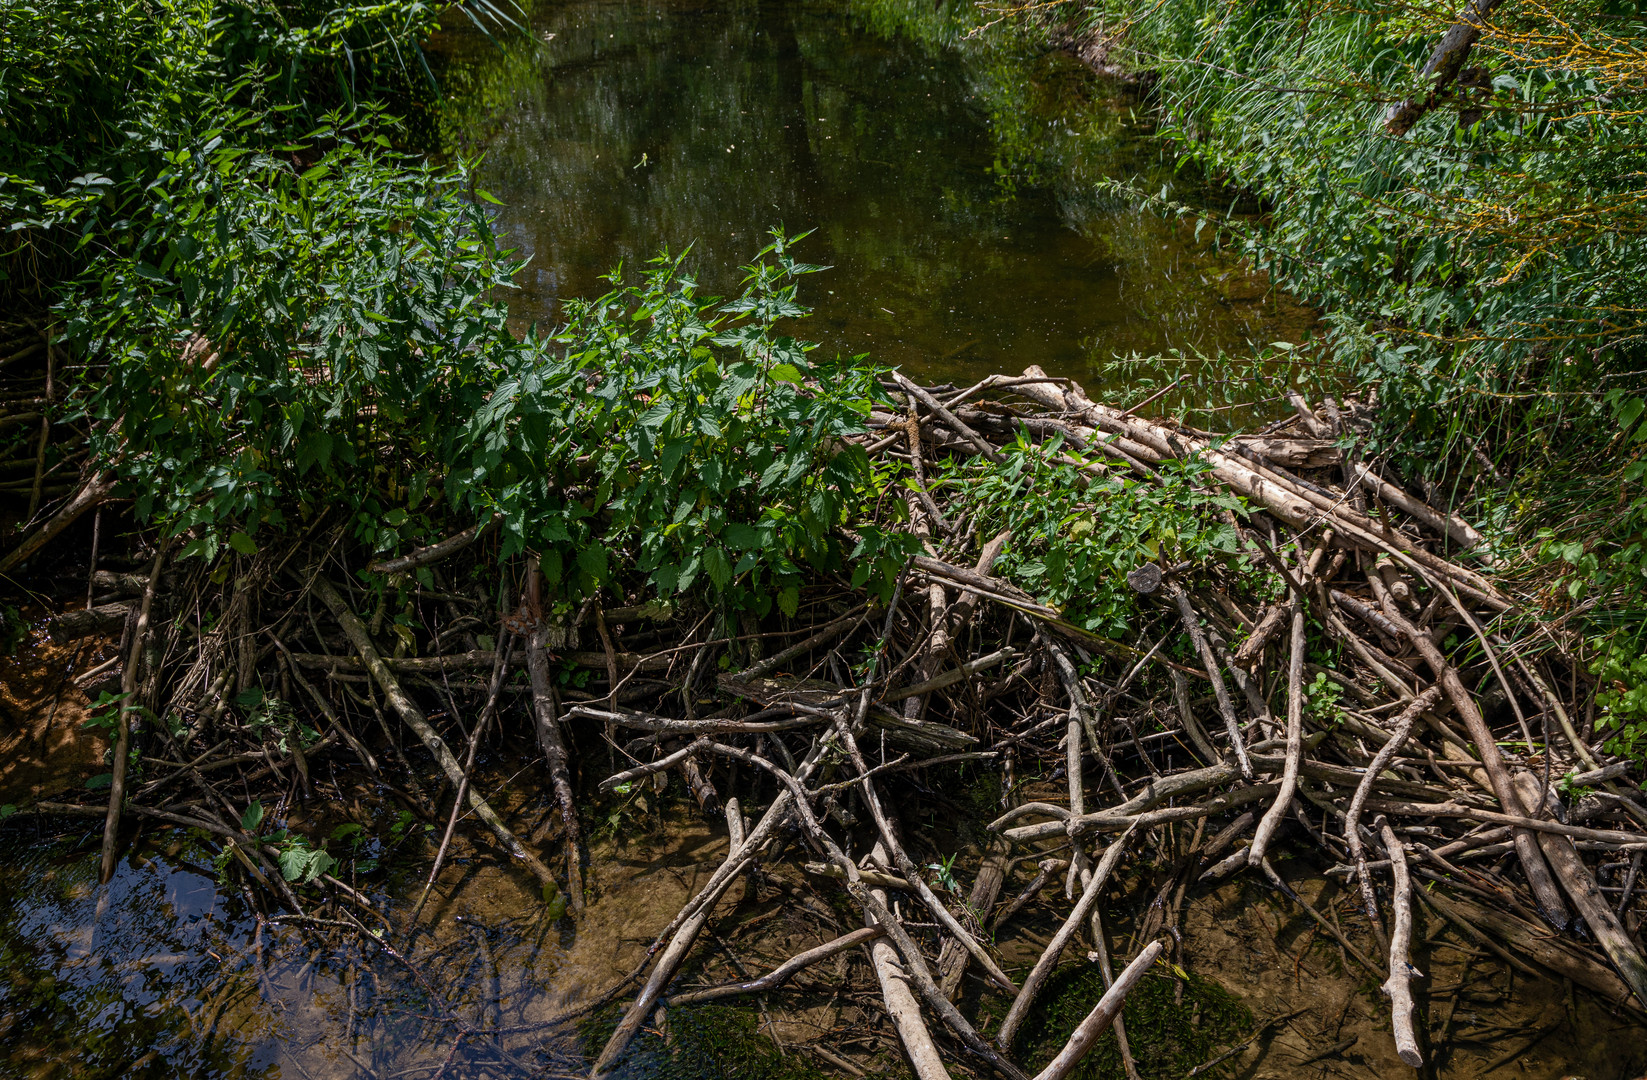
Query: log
[74, 625]
[1442, 68]
[901, 1003]
[953, 957]
[1580, 885]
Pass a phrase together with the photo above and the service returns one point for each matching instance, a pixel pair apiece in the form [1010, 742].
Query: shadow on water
[953, 191]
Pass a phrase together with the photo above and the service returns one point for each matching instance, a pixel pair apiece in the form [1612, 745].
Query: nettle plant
[1076, 535]
[288, 341]
[691, 435]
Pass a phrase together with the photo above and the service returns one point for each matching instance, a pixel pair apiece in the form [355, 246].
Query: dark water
[953, 190]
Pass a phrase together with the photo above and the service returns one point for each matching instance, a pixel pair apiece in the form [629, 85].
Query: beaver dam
[1153, 753]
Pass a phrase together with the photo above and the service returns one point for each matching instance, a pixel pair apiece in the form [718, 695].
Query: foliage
[1622, 700]
[1076, 533]
[299, 860]
[687, 432]
[284, 317]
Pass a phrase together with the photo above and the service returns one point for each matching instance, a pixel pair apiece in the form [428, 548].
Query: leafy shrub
[1076, 535]
[1621, 702]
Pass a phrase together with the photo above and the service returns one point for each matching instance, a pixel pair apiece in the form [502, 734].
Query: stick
[1401, 995]
[1103, 1015]
[408, 711]
[1352, 834]
[91, 494]
[1055, 948]
[978, 442]
[900, 1000]
[1539, 879]
[123, 726]
[423, 556]
[1575, 877]
[463, 789]
[952, 958]
[781, 974]
[1295, 743]
[554, 752]
[1192, 626]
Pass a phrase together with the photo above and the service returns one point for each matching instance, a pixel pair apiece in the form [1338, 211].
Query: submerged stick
[463, 789]
[1055, 948]
[780, 974]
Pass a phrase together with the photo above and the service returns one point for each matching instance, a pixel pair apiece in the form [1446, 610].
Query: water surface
[954, 191]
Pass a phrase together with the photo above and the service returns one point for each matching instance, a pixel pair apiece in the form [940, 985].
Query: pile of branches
[1436, 758]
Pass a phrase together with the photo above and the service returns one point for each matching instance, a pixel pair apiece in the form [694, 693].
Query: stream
[954, 195]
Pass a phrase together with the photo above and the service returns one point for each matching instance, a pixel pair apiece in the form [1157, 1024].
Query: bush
[1076, 535]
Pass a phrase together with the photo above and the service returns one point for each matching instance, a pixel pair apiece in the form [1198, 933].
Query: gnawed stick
[408, 710]
[1049, 957]
[1295, 742]
[1401, 995]
[1102, 1016]
[1352, 834]
[123, 728]
[780, 974]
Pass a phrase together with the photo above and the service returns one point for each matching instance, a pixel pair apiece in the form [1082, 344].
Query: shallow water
[952, 190]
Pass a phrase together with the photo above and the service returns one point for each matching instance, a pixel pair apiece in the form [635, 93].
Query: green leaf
[243, 543]
[253, 817]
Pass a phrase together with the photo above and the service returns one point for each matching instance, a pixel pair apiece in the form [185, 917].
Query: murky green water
[953, 191]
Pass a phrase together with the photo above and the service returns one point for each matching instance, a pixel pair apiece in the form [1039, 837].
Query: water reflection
[953, 195]
[167, 972]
